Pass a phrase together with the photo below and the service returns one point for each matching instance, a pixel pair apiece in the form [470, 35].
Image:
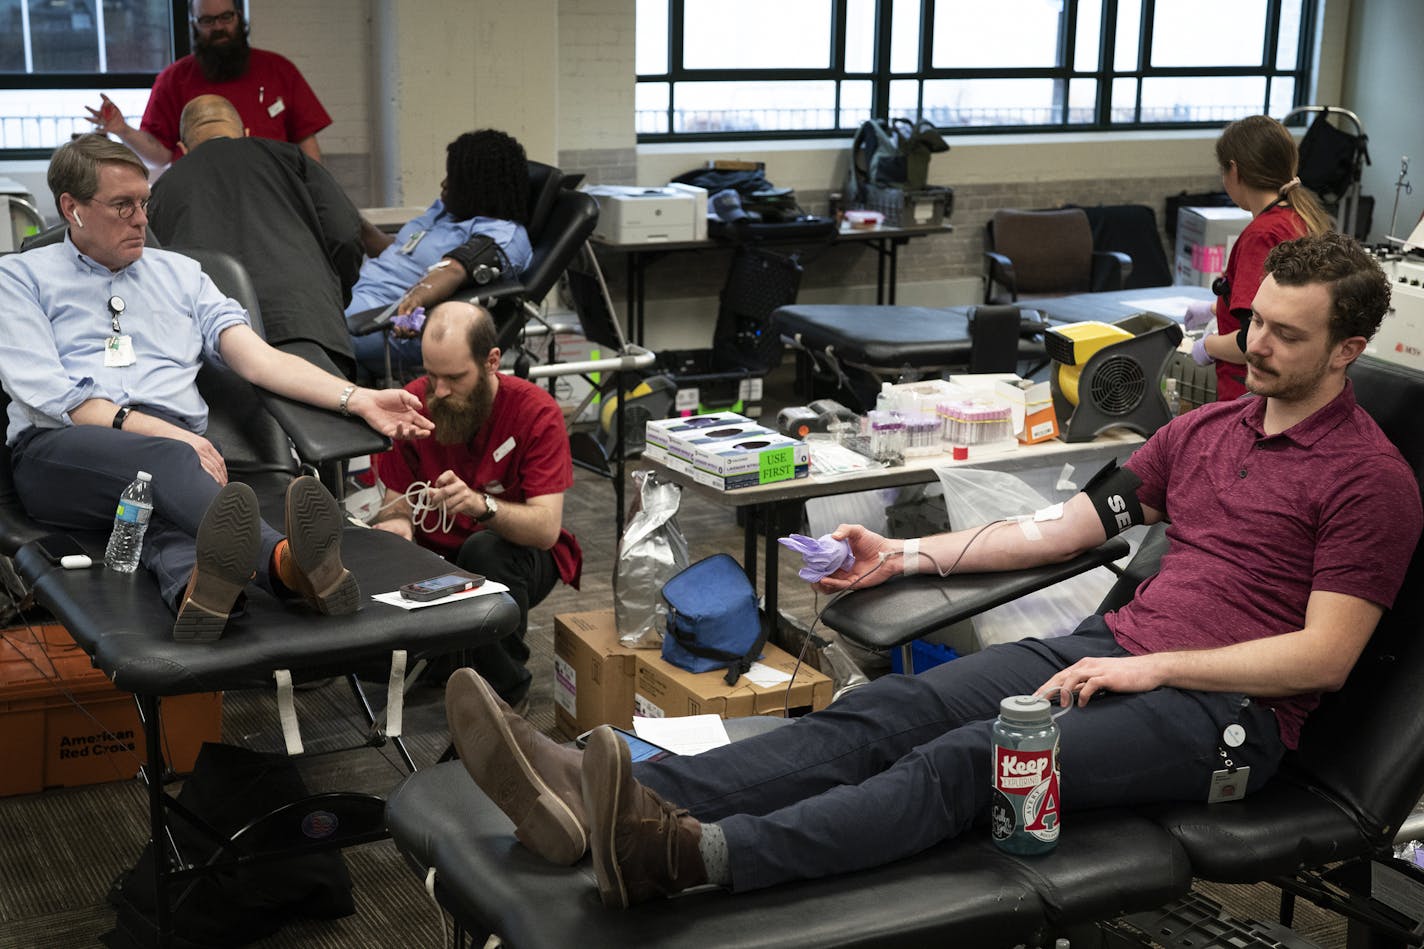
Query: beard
[1288, 386]
[223, 62]
[459, 418]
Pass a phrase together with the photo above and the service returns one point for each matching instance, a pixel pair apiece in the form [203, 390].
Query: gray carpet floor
[61, 849]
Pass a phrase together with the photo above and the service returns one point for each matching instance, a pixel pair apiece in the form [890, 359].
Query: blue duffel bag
[712, 618]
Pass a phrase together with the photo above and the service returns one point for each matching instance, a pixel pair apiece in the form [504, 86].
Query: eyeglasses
[208, 22]
[127, 207]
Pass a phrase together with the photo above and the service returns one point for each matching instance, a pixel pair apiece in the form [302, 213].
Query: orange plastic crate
[62, 724]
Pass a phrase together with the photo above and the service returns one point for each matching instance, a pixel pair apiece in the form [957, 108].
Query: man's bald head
[459, 321]
[206, 117]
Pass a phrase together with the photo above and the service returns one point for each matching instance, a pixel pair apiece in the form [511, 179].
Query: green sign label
[778, 464]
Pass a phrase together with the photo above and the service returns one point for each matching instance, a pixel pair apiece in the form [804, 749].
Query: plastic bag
[973, 497]
[652, 552]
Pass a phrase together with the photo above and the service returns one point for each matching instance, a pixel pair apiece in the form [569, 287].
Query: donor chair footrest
[1198, 922]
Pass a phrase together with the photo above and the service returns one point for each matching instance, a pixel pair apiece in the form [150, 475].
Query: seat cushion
[965, 893]
[1283, 826]
[886, 336]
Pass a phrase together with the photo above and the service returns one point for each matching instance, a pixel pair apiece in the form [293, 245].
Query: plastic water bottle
[1024, 814]
[130, 521]
[1173, 395]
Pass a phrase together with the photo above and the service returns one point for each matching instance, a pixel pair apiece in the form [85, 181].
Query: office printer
[633, 215]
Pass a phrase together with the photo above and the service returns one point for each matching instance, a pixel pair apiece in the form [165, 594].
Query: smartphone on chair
[437, 588]
[641, 748]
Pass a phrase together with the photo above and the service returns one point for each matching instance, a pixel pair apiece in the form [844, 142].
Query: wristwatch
[491, 509]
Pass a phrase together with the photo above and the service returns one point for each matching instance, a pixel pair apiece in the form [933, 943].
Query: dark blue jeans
[530, 573]
[71, 478]
[370, 351]
[901, 764]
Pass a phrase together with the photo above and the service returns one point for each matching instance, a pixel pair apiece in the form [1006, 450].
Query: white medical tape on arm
[911, 554]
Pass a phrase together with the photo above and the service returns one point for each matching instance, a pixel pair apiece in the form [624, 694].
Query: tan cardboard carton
[593, 673]
[665, 691]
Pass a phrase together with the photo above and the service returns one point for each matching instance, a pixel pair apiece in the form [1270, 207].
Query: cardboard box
[1032, 404]
[666, 691]
[46, 741]
[1205, 237]
[593, 673]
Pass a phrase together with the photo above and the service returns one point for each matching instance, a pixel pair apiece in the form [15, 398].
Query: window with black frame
[710, 69]
[57, 56]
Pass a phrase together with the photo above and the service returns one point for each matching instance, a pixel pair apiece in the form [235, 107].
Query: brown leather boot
[314, 523]
[642, 845]
[531, 778]
[227, 546]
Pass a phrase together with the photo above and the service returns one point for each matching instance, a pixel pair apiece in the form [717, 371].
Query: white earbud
[75, 215]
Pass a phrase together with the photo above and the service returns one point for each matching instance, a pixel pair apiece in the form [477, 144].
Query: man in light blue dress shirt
[103, 343]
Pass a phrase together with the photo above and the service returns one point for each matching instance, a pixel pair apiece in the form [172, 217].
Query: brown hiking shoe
[642, 845]
[531, 778]
[314, 523]
[228, 544]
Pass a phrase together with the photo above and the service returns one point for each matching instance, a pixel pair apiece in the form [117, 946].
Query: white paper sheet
[1167, 306]
[395, 599]
[688, 735]
[766, 677]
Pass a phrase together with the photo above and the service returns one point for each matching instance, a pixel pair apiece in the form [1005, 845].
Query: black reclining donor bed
[122, 623]
[1342, 797]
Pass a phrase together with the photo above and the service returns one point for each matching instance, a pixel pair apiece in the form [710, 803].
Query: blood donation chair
[1343, 796]
[560, 220]
[124, 626]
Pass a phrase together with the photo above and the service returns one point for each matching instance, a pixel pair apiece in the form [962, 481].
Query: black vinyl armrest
[369, 321]
[321, 435]
[903, 610]
[1001, 271]
[1111, 268]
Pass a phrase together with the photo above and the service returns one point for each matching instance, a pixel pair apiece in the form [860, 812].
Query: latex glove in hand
[1199, 315]
[821, 555]
[1199, 353]
[407, 325]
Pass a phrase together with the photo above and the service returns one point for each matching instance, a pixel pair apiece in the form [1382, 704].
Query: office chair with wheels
[1046, 254]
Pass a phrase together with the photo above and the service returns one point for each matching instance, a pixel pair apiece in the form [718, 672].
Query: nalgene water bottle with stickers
[1024, 813]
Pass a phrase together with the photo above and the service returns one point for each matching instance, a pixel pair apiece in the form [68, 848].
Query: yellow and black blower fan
[1110, 374]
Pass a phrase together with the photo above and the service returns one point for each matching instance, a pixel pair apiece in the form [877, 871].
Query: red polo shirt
[522, 452]
[1259, 522]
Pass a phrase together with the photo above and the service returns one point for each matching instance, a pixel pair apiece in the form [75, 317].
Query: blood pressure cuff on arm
[482, 258]
[1113, 491]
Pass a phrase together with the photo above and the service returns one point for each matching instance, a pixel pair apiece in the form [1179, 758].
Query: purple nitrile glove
[822, 555]
[1199, 353]
[1198, 316]
[411, 321]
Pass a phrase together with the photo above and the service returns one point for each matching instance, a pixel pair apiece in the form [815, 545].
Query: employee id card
[118, 351]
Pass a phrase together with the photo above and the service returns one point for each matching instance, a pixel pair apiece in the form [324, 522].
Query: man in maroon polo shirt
[1292, 522]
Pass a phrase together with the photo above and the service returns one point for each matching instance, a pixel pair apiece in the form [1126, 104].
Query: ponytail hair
[1266, 158]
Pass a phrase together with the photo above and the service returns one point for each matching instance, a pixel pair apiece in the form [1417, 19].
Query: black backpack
[892, 153]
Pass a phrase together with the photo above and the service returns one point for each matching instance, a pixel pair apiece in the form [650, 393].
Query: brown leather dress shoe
[642, 845]
[228, 544]
[314, 523]
[532, 779]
